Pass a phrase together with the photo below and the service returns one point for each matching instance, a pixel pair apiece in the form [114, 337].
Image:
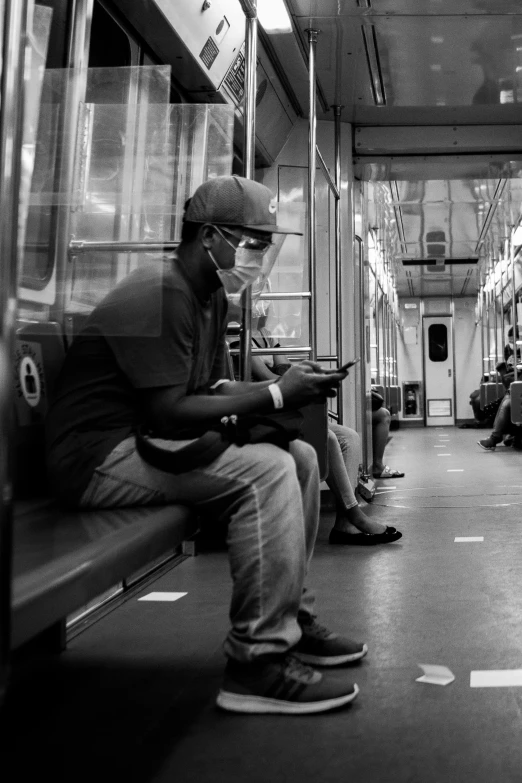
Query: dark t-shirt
[150, 331]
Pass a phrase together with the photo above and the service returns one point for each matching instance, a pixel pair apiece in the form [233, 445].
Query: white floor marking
[162, 596]
[495, 678]
[443, 455]
[467, 539]
[455, 470]
[435, 675]
[440, 446]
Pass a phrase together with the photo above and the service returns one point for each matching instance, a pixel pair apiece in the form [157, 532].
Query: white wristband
[277, 395]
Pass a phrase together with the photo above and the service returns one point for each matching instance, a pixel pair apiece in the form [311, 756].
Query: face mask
[247, 267]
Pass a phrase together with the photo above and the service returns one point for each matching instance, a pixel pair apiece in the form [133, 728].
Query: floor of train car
[132, 699]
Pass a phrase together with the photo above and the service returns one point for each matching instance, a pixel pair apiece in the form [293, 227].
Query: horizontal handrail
[268, 351]
[293, 295]
[77, 246]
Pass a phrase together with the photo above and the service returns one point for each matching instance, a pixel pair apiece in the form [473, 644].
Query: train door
[439, 370]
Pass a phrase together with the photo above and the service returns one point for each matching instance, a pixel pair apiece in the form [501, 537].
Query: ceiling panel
[335, 9]
[428, 63]
[435, 62]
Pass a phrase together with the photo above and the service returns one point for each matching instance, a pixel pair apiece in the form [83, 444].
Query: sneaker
[488, 444]
[320, 647]
[282, 684]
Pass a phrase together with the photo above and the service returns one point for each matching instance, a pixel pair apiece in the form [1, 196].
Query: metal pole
[488, 325]
[495, 313]
[77, 60]
[362, 370]
[482, 332]
[312, 143]
[502, 315]
[338, 270]
[514, 319]
[14, 33]
[249, 149]
[378, 327]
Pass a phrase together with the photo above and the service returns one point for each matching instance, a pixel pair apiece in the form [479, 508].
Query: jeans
[270, 498]
[344, 449]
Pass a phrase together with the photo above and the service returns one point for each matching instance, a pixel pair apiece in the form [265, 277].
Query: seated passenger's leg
[271, 499]
[501, 426]
[344, 449]
[258, 490]
[380, 430]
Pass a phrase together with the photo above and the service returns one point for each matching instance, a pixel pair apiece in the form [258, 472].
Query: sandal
[388, 473]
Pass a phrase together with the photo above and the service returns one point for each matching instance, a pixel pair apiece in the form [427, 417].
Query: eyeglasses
[247, 242]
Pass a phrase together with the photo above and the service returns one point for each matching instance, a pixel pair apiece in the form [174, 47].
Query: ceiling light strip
[374, 64]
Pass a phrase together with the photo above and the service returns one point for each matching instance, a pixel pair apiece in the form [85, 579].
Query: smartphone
[348, 364]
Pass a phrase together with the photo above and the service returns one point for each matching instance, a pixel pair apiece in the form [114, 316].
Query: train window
[438, 343]
[110, 46]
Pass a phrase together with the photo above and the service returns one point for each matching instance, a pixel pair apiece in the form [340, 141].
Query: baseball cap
[235, 201]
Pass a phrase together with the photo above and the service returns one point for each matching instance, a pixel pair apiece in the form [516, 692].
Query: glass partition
[137, 159]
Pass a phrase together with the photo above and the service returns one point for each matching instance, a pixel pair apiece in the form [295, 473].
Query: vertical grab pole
[514, 301]
[488, 325]
[338, 276]
[80, 15]
[482, 331]
[495, 313]
[249, 148]
[14, 26]
[378, 326]
[362, 369]
[502, 315]
[312, 144]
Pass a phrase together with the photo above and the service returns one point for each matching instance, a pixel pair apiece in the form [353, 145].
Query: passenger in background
[381, 419]
[153, 353]
[352, 526]
[503, 425]
[482, 419]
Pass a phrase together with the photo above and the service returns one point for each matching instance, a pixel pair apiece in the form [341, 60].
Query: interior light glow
[517, 236]
[273, 16]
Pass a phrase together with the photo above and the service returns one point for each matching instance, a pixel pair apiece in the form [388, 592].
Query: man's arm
[167, 411]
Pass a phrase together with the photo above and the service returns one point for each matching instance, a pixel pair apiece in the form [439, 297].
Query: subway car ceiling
[423, 82]
[433, 89]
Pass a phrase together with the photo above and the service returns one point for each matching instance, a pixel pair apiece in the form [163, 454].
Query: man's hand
[318, 368]
[305, 383]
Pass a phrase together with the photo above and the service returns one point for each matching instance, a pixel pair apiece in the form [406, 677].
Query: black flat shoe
[364, 539]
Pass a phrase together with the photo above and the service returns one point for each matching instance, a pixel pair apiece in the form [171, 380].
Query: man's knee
[305, 457]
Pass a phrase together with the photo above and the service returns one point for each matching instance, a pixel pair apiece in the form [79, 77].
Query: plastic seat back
[39, 356]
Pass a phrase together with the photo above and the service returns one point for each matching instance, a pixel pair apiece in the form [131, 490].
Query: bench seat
[64, 559]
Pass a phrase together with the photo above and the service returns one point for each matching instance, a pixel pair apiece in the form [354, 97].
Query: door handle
[449, 373]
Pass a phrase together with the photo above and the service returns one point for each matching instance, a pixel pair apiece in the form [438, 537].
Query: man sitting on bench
[152, 353]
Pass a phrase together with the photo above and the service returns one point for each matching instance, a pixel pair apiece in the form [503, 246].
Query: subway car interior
[390, 135]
